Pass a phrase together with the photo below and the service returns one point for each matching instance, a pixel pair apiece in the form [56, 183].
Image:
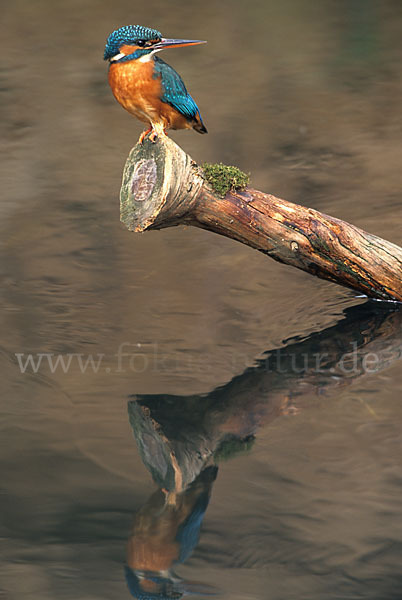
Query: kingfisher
[145, 85]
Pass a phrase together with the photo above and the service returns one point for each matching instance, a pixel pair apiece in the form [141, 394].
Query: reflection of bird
[145, 85]
[164, 535]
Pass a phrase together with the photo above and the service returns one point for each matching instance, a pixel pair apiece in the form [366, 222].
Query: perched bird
[145, 85]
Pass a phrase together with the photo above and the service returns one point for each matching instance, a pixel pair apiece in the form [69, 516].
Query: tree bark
[162, 187]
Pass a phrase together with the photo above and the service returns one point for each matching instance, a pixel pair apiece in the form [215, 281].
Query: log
[163, 187]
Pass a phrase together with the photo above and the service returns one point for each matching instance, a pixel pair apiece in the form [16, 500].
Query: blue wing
[174, 91]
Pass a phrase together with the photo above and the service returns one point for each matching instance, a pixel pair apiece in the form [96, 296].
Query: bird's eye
[140, 43]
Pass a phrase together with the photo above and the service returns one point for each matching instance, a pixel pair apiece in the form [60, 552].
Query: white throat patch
[147, 57]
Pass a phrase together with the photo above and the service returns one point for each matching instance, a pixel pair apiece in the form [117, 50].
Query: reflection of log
[179, 435]
[163, 187]
[173, 459]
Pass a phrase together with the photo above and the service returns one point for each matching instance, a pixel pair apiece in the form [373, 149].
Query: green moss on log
[224, 178]
[233, 446]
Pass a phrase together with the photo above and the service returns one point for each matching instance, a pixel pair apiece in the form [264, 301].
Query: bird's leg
[157, 130]
[144, 135]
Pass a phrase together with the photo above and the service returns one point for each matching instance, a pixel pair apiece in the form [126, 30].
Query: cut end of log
[142, 192]
[160, 183]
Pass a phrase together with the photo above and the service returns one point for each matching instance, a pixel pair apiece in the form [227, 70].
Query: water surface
[216, 340]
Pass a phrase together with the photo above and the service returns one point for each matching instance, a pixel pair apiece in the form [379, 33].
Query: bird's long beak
[164, 43]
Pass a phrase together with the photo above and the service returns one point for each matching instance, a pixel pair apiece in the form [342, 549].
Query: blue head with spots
[136, 40]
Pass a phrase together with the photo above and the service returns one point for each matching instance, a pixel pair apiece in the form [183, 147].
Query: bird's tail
[198, 124]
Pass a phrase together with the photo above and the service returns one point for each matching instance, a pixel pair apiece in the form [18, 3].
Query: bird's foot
[153, 136]
[144, 135]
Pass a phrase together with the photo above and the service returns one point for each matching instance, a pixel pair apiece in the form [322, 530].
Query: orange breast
[139, 93]
[134, 88]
